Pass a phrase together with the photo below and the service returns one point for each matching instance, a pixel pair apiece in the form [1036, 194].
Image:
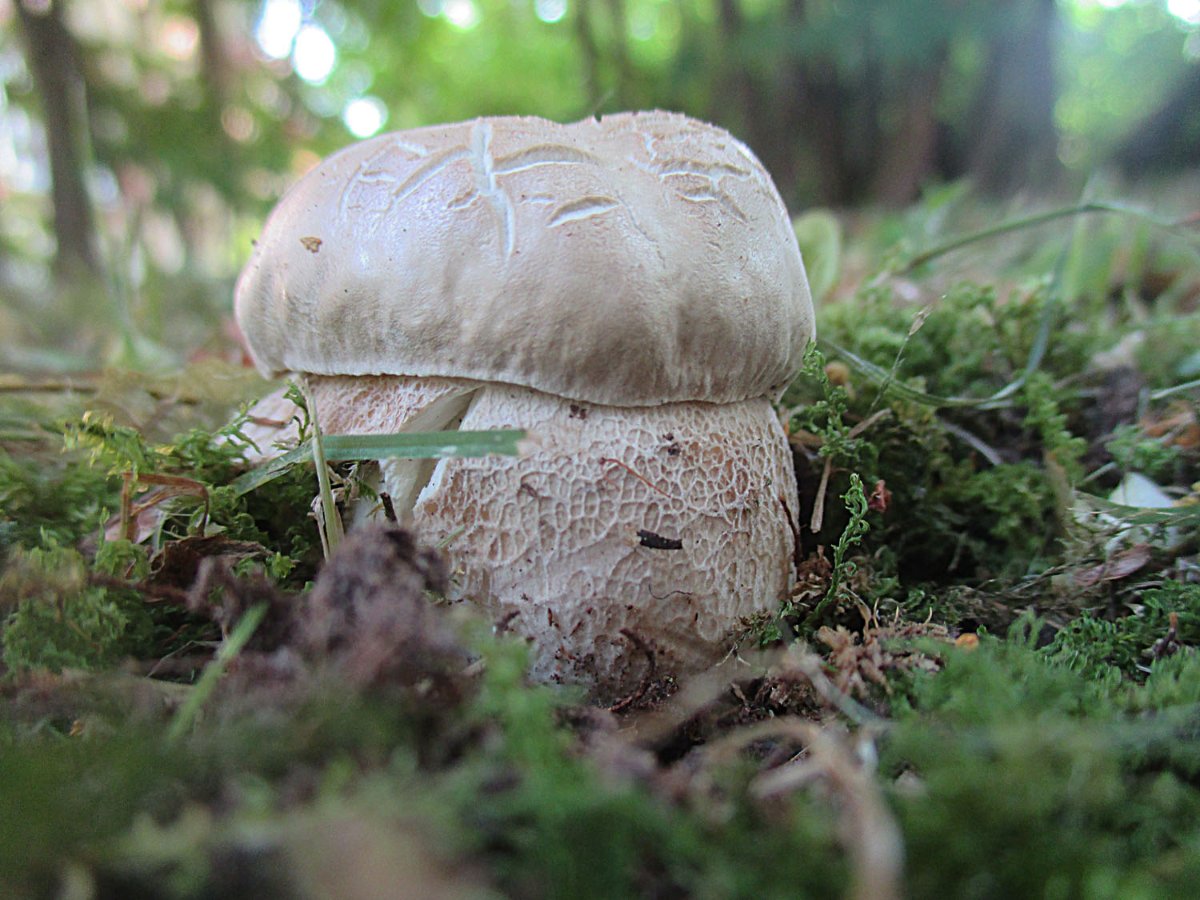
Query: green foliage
[1169, 352]
[241, 633]
[968, 343]
[61, 610]
[1133, 451]
[61, 794]
[824, 416]
[55, 620]
[1099, 98]
[1045, 417]
[52, 501]
[275, 515]
[1013, 770]
[1173, 682]
[955, 512]
[560, 824]
[122, 559]
[1011, 751]
[1117, 649]
[1008, 521]
[852, 535]
[115, 448]
[819, 234]
[951, 514]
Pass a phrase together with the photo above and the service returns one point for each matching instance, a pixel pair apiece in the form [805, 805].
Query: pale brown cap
[633, 260]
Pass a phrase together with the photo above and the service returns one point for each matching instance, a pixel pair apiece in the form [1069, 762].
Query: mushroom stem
[664, 521]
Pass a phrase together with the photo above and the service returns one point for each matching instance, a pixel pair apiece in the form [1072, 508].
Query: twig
[818, 514]
[867, 830]
[616, 462]
[809, 665]
[797, 550]
[647, 677]
[389, 509]
[151, 593]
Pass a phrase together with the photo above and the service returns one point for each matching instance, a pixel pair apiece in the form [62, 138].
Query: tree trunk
[733, 100]
[908, 157]
[590, 55]
[1014, 137]
[1168, 139]
[620, 52]
[53, 60]
[772, 118]
[213, 59]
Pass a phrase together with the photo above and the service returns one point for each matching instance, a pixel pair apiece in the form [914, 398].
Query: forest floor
[985, 683]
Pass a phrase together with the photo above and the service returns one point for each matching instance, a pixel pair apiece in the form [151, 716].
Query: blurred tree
[1117, 64]
[1167, 139]
[199, 113]
[214, 59]
[852, 103]
[53, 59]
[1012, 140]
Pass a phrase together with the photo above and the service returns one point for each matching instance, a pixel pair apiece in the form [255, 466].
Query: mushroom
[629, 290]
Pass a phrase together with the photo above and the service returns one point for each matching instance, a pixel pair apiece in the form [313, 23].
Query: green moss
[51, 501]
[1132, 451]
[1070, 769]
[552, 822]
[1023, 779]
[56, 620]
[1119, 648]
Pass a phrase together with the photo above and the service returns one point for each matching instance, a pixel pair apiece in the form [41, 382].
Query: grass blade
[226, 653]
[419, 445]
[329, 520]
[1032, 221]
[422, 445]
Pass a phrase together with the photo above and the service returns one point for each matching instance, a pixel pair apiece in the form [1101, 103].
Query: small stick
[631, 471]
[505, 624]
[818, 513]
[647, 678]
[797, 553]
[389, 509]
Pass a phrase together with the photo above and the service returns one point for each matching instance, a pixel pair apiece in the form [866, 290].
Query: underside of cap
[637, 259]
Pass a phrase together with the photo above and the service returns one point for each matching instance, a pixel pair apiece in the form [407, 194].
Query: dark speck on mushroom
[657, 541]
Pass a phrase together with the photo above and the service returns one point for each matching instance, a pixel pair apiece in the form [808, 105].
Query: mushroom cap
[633, 260]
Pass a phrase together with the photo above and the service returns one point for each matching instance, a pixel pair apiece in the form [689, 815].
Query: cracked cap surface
[634, 260]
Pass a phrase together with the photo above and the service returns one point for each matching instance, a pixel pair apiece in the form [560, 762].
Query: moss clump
[1021, 776]
[1165, 621]
[56, 620]
[52, 500]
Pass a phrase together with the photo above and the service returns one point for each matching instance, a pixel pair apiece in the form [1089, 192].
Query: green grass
[1024, 706]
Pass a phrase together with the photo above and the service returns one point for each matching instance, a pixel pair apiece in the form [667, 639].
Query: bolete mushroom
[630, 291]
